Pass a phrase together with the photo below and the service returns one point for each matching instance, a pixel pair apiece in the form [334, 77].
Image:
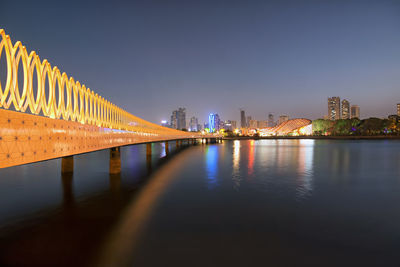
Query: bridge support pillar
[67, 164]
[148, 156]
[166, 148]
[115, 160]
[148, 149]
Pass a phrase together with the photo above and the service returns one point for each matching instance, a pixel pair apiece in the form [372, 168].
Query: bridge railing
[75, 102]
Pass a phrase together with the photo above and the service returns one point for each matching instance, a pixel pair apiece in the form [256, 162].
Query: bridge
[44, 114]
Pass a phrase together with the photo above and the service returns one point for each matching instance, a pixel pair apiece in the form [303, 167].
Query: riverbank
[349, 137]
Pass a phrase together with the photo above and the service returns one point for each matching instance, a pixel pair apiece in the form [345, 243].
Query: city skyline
[202, 51]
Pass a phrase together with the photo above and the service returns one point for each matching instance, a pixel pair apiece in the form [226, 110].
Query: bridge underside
[26, 138]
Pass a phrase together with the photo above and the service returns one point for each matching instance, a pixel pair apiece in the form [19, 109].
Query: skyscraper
[248, 121]
[213, 122]
[334, 108]
[178, 119]
[193, 124]
[174, 119]
[345, 109]
[242, 119]
[355, 112]
[181, 118]
[398, 109]
[271, 122]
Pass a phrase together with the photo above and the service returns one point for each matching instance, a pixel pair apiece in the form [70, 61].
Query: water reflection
[68, 192]
[163, 150]
[212, 165]
[236, 177]
[305, 167]
[122, 241]
[250, 167]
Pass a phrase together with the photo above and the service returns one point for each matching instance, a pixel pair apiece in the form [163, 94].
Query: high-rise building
[234, 125]
[181, 118]
[248, 121]
[178, 119]
[193, 124]
[283, 118]
[253, 124]
[262, 124]
[242, 119]
[174, 119]
[271, 122]
[398, 109]
[345, 109]
[213, 123]
[334, 108]
[355, 111]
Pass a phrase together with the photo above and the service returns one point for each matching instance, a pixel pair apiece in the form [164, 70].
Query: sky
[281, 57]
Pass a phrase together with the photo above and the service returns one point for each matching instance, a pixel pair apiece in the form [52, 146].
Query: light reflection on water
[236, 178]
[305, 169]
[267, 202]
[211, 156]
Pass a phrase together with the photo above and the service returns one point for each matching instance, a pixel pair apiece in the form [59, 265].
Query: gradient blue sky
[284, 57]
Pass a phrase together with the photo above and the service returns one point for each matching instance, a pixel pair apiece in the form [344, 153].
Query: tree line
[371, 126]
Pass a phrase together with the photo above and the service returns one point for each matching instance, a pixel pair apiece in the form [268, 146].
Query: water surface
[240, 203]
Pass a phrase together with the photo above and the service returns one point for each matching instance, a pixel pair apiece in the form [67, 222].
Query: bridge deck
[26, 138]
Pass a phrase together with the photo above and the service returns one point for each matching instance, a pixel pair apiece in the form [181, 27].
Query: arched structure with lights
[45, 114]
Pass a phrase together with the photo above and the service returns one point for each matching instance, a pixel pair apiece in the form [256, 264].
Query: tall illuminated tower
[213, 122]
[345, 109]
[334, 108]
[242, 119]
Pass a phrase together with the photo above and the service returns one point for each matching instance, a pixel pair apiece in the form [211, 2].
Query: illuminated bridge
[45, 114]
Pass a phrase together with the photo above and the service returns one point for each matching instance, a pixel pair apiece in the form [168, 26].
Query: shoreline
[347, 137]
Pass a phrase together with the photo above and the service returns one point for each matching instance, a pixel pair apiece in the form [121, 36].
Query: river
[297, 202]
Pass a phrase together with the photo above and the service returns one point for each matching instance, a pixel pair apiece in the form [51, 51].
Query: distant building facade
[271, 122]
[334, 108]
[283, 118]
[174, 119]
[345, 109]
[355, 112]
[178, 119]
[398, 109]
[262, 124]
[193, 124]
[248, 121]
[242, 119]
[229, 125]
[253, 124]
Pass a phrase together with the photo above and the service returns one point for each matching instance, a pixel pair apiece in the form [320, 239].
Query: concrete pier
[67, 164]
[115, 160]
[148, 156]
[166, 147]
